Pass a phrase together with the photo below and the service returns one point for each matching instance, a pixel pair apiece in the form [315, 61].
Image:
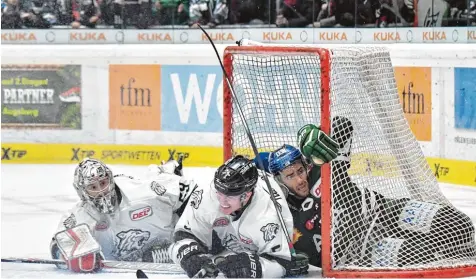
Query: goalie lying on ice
[369, 229]
[235, 220]
[128, 219]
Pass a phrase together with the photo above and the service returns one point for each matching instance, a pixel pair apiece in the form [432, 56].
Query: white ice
[33, 197]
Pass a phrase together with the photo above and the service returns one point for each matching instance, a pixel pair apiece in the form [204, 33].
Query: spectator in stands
[106, 8]
[41, 14]
[350, 13]
[219, 14]
[88, 14]
[170, 12]
[12, 15]
[250, 12]
[396, 12]
[456, 14]
[136, 13]
[298, 13]
[199, 12]
[471, 13]
[211, 12]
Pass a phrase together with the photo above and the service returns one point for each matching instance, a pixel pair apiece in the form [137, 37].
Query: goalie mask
[94, 183]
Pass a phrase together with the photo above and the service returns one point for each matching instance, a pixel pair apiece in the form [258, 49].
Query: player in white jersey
[237, 209]
[130, 219]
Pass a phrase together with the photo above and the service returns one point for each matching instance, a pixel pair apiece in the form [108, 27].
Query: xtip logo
[141, 213]
[79, 154]
[175, 155]
[441, 170]
[9, 154]
[413, 103]
[135, 97]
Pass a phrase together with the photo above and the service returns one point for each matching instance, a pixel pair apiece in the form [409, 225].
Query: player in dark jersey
[370, 226]
[304, 203]
[300, 178]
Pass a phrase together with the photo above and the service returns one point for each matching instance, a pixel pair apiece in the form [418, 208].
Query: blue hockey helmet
[283, 157]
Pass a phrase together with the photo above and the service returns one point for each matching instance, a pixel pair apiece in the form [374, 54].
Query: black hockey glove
[242, 265]
[299, 264]
[195, 262]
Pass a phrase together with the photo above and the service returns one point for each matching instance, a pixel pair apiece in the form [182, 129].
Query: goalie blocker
[78, 248]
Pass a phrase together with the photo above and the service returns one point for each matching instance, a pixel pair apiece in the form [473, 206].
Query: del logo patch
[140, 213]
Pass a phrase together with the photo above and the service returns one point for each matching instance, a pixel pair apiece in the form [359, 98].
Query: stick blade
[140, 274]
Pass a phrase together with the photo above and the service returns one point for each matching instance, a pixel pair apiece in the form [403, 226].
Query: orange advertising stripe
[134, 97]
[414, 90]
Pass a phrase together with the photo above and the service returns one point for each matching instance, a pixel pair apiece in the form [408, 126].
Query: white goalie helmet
[94, 183]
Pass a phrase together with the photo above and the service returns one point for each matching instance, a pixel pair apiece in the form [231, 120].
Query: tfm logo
[141, 213]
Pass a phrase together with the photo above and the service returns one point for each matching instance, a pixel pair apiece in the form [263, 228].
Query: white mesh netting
[387, 209]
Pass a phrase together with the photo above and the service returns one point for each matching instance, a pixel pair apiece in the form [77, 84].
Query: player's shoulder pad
[80, 213]
[264, 156]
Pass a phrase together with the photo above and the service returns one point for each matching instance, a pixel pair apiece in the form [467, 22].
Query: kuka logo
[141, 213]
[135, 97]
[18, 37]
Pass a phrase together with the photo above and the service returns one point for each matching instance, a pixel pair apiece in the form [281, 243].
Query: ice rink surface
[35, 196]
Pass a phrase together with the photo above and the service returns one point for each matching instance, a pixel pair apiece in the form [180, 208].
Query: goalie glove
[316, 145]
[79, 249]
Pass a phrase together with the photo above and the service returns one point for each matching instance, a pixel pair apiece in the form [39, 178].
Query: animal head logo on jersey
[70, 221]
[232, 243]
[269, 231]
[157, 188]
[196, 198]
[129, 242]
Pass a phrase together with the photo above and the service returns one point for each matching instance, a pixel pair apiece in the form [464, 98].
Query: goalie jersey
[146, 216]
[256, 230]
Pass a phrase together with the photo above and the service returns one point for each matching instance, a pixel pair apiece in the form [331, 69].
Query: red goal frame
[326, 64]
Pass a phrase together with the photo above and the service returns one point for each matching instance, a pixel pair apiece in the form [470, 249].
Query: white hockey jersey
[257, 230]
[146, 216]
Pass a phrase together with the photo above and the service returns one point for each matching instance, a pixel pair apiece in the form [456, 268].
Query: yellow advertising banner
[414, 90]
[37, 153]
[134, 97]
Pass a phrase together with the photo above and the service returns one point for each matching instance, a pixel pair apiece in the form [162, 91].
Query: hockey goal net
[402, 225]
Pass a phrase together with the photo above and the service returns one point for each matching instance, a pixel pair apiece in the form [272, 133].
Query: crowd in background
[147, 14]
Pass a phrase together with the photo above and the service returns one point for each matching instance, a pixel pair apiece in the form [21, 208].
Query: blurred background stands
[153, 14]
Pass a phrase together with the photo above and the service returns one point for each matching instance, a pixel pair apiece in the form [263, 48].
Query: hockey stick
[253, 145]
[161, 267]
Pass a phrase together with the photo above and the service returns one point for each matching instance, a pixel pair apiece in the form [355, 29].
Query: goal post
[408, 229]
